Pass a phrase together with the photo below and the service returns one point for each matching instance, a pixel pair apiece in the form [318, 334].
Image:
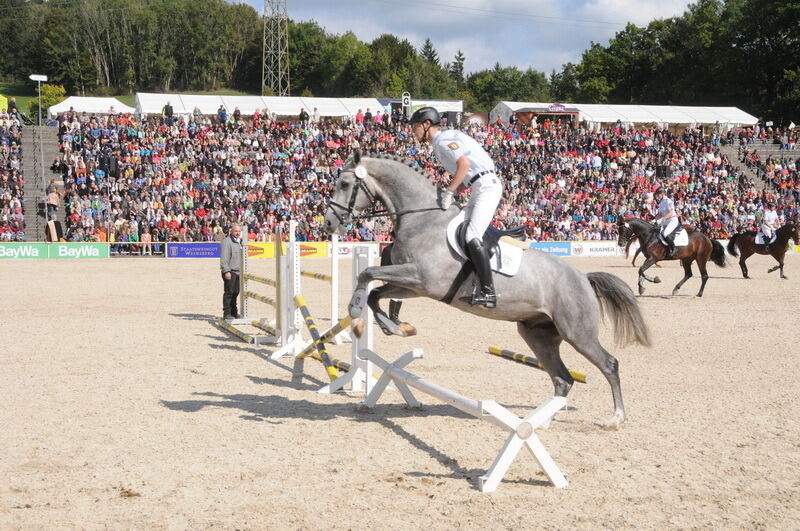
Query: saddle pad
[761, 240]
[505, 259]
[681, 238]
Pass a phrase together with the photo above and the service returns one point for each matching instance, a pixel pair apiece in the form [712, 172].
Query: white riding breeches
[768, 233]
[668, 225]
[483, 200]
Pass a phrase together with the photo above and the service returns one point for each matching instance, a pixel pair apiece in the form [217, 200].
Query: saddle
[505, 247]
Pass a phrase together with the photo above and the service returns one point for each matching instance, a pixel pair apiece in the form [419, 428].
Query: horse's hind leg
[544, 340]
[701, 265]
[687, 274]
[589, 345]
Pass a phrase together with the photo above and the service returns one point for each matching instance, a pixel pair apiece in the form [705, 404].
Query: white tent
[326, 106]
[89, 105]
[440, 105]
[633, 114]
[147, 103]
[354, 104]
[206, 104]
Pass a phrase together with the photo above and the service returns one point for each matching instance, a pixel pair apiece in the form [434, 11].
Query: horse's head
[794, 231]
[625, 232]
[351, 196]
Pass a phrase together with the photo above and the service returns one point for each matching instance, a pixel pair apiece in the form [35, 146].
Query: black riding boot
[480, 260]
[670, 247]
[766, 245]
[394, 309]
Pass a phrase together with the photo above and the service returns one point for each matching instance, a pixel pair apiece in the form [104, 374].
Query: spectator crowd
[188, 178]
[12, 183]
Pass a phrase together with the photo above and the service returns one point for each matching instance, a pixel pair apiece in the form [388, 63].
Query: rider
[769, 224]
[667, 219]
[471, 167]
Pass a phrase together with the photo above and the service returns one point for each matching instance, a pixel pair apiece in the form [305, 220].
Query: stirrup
[478, 298]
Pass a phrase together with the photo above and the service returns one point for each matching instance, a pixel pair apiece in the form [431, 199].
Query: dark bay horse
[700, 248]
[745, 243]
[631, 241]
[548, 299]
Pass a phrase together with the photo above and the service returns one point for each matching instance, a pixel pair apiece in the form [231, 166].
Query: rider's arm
[462, 167]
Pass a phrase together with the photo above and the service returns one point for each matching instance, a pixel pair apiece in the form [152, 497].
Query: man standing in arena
[230, 263]
[471, 167]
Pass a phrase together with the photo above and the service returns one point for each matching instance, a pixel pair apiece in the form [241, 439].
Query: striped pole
[265, 327]
[318, 276]
[262, 298]
[327, 337]
[263, 280]
[530, 361]
[341, 365]
[300, 301]
[247, 338]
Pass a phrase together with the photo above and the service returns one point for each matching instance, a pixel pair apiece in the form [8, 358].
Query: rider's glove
[445, 199]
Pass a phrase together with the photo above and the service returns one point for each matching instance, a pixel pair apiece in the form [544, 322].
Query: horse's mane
[402, 160]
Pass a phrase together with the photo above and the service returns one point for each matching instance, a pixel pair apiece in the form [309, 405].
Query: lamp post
[39, 78]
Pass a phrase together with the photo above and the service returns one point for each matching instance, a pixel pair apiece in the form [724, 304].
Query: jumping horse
[745, 243]
[700, 248]
[550, 300]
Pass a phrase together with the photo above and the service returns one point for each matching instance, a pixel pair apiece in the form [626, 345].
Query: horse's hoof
[675, 292]
[613, 424]
[358, 326]
[784, 277]
[407, 330]
[357, 302]
[641, 290]
[657, 280]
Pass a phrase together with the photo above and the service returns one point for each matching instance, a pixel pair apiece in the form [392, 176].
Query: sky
[541, 34]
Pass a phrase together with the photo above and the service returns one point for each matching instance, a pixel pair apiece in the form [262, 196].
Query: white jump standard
[523, 430]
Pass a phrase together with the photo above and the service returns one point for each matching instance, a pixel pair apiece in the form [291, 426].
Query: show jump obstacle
[291, 311]
[522, 430]
[530, 361]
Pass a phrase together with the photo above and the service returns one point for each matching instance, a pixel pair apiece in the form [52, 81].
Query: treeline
[733, 52]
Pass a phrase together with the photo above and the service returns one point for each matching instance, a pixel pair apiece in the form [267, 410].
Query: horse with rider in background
[699, 247]
[744, 245]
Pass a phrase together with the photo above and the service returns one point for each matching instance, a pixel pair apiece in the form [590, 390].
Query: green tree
[50, 95]
[456, 69]
[428, 52]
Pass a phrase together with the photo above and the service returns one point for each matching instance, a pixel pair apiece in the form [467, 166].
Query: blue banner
[193, 250]
[556, 248]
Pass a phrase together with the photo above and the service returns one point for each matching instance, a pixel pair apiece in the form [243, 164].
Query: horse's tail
[718, 254]
[732, 245]
[617, 300]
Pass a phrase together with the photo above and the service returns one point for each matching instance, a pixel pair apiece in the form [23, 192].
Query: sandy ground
[125, 408]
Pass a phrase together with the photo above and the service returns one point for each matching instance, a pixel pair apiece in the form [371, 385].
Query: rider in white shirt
[471, 167]
[667, 218]
[769, 224]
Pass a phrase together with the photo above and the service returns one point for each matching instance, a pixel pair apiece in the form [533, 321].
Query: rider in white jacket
[668, 219]
[469, 165]
[769, 224]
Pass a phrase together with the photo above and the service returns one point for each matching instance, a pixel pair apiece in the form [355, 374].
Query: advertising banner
[596, 248]
[556, 248]
[260, 250]
[23, 250]
[79, 250]
[193, 250]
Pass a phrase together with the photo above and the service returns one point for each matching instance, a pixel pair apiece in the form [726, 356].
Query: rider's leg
[486, 195]
[668, 232]
[767, 237]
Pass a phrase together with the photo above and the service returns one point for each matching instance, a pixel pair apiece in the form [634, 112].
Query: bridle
[346, 214]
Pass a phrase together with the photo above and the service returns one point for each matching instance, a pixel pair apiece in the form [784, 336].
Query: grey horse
[550, 300]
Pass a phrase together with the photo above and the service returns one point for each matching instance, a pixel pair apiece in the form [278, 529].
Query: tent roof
[91, 105]
[354, 104]
[326, 106]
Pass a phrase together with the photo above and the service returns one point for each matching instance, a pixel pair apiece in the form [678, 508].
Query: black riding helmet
[426, 113]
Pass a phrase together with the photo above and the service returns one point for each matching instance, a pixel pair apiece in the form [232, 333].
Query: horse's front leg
[389, 324]
[642, 277]
[401, 276]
